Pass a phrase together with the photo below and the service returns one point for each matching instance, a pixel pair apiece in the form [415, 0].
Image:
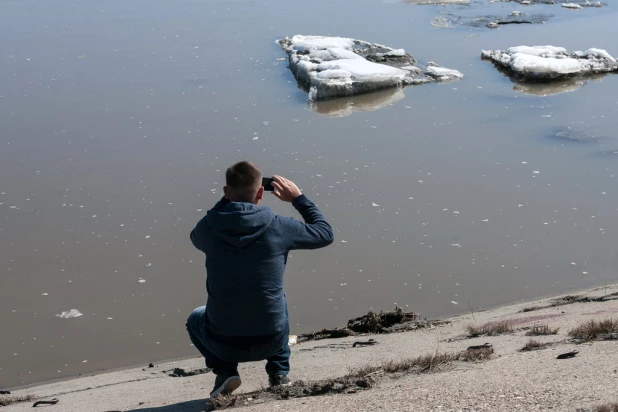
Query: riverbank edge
[151, 387]
[447, 317]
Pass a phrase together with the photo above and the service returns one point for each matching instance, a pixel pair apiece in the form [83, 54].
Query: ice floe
[542, 63]
[331, 67]
[73, 313]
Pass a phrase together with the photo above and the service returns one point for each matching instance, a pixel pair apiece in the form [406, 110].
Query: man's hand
[285, 189]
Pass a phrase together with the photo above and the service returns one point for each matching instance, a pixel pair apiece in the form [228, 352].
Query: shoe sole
[230, 385]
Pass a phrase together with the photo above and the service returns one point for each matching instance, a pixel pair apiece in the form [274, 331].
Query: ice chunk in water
[73, 313]
[549, 62]
[332, 67]
[442, 73]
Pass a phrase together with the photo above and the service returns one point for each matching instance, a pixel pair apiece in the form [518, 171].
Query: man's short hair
[243, 180]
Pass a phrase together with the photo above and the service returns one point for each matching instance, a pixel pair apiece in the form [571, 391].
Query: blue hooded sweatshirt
[246, 249]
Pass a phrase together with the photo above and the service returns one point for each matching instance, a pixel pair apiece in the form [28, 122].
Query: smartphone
[267, 182]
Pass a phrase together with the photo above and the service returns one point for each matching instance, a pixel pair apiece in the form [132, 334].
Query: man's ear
[225, 192]
[260, 193]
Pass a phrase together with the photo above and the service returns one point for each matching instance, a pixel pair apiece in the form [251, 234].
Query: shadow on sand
[197, 405]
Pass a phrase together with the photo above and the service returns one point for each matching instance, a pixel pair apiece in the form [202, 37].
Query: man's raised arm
[315, 232]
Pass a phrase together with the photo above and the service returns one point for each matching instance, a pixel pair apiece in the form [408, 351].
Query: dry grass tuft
[223, 401]
[538, 330]
[490, 329]
[356, 380]
[365, 371]
[610, 407]
[422, 363]
[476, 355]
[533, 344]
[594, 329]
[6, 400]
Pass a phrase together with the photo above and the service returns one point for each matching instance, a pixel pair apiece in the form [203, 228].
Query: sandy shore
[509, 381]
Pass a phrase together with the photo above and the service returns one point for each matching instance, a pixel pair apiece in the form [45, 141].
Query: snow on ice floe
[73, 313]
[331, 67]
[543, 63]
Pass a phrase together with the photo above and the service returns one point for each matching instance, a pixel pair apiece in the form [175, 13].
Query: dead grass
[476, 355]
[356, 380]
[6, 400]
[593, 329]
[610, 407]
[223, 401]
[490, 329]
[365, 370]
[533, 344]
[539, 330]
[423, 363]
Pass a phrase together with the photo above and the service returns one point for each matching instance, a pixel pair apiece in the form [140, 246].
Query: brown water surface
[118, 119]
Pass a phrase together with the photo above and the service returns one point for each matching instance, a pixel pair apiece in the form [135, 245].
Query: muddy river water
[118, 119]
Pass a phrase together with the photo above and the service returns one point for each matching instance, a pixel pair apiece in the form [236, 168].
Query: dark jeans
[225, 359]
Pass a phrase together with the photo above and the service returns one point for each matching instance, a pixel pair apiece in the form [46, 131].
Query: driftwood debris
[375, 323]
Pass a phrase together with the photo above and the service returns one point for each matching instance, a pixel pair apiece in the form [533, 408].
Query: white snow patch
[596, 53]
[535, 65]
[541, 51]
[360, 70]
[573, 6]
[319, 42]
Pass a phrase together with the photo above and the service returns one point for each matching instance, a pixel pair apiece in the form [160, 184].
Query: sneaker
[278, 380]
[225, 384]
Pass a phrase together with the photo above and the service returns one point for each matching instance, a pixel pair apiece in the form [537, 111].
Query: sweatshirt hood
[240, 223]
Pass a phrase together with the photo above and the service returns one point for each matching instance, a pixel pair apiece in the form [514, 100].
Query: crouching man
[246, 246]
